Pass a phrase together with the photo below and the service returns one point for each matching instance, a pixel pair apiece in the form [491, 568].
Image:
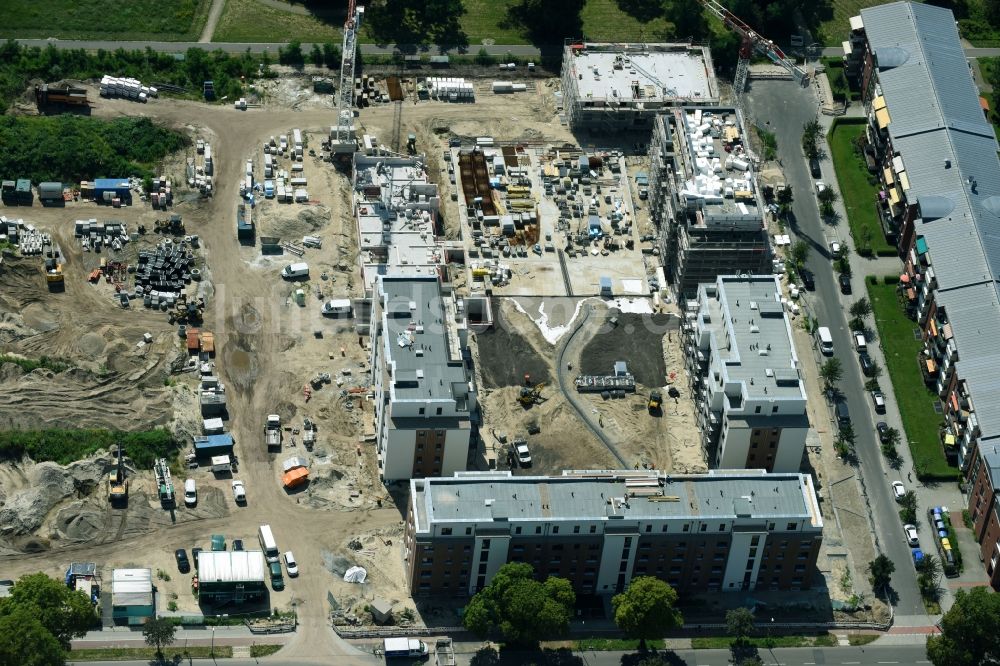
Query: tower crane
[342, 137]
[753, 41]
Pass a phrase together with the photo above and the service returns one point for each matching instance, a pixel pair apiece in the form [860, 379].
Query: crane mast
[342, 138]
[753, 41]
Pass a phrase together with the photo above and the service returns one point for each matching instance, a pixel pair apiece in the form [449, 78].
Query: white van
[268, 544]
[860, 343]
[298, 270]
[825, 340]
[190, 493]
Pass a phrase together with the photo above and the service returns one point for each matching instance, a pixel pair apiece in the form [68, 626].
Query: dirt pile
[506, 355]
[284, 222]
[42, 486]
[637, 340]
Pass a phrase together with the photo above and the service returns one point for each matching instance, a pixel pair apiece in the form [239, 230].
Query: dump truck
[272, 432]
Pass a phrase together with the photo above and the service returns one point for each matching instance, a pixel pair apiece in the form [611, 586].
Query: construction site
[238, 316]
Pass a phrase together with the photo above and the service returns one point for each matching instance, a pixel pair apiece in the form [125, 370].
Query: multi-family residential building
[984, 508]
[425, 397]
[616, 87]
[744, 375]
[704, 198]
[724, 530]
[939, 196]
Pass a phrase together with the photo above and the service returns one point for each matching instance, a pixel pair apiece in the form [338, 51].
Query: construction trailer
[51, 194]
[49, 98]
[209, 446]
[106, 190]
[23, 193]
[231, 577]
[132, 601]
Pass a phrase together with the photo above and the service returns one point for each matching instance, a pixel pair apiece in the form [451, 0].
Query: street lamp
[213, 641]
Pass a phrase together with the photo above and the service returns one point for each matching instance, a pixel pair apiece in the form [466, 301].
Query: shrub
[65, 446]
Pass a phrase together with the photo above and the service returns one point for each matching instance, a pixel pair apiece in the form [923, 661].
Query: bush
[890, 279]
[29, 364]
[65, 446]
[72, 148]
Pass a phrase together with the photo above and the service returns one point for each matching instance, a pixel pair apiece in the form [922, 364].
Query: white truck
[404, 647]
[272, 431]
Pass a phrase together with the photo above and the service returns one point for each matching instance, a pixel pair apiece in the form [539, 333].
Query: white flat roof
[660, 75]
[229, 566]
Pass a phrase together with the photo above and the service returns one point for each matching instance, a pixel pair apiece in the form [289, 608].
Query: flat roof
[747, 313]
[642, 72]
[604, 495]
[132, 587]
[229, 566]
[420, 338]
[727, 196]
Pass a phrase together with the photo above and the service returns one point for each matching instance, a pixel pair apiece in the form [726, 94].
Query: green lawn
[172, 654]
[857, 192]
[161, 20]
[616, 644]
[723, 642]
[250, 21]
[916, 402]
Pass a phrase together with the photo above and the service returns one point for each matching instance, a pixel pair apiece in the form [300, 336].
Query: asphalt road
[871, 655]
[369, 49]
[788, 107]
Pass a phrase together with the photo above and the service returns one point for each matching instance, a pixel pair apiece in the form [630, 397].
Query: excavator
[174, 225]
[118, 482]
[531, 395]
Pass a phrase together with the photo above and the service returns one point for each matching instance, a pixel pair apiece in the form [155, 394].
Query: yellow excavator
[531, 395]
[118, 482]
[655, 402]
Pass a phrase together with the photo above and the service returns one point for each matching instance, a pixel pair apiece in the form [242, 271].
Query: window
[517, 530]
[439, 411]
[420, 460]
[649, 528]
[770, 526]
[576, 529]
[774, 410]
[486, 544]
[593, 529]
[753, 552]
[445, 531]
[704, 527]
[687, 528]
[538, 529]
[555, 529]
[791, 527]
[755, 541]
[756, 410]
[468, 531]
[421, 412]
[722, 527]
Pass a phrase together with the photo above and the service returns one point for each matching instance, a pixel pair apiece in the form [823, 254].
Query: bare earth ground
[268, 350]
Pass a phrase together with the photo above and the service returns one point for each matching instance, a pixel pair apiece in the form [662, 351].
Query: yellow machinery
[54, 275]
[117, 482]
[174, 225]
[655, 401]
[531, 395]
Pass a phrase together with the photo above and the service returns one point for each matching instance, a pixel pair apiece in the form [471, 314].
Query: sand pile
[47, 484]
[293, 227]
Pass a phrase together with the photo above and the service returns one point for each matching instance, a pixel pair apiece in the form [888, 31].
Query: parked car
[194, 556]
[808, 279]
[237, 545]
[190, 492]
[183, 563]
[277, 580]
[878, 399]
[845, 283]
[867, 364]
[860, 341]
[820, 186]
[239, 492]
[814, 168]
[898, 490]
[911, 535]
[519, 447]
[883, 431]
[291, 565]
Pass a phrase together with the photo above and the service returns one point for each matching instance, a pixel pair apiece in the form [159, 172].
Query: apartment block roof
[949, 152]
[609, 495]
[637, 73]
[752, 336]
[420, 338]
[923, 72]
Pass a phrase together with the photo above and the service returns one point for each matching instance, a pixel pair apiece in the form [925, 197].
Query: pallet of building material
[293, 248]
[600, 383]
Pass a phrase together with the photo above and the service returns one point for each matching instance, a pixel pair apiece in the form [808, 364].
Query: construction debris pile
[201, 168]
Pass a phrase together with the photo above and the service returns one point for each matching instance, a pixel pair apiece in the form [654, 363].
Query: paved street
[788, 107]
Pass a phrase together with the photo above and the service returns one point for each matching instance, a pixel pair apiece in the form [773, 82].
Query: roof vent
[420, 374]
[947, 163]
[413, 305]
[419, 352]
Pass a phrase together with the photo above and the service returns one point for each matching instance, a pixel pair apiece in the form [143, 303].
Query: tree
[291, 54]
[799, 252]
[739, 624]
[521, 609]
[331, 55]
[810, 139]
[688, 19]
[27, 642]
[844, 444]
[547, 21]
[831, 372]
[880, 571]
[65, 613]
[158, 632]
[316, 55]
[826, 199]
[645, 609]
[484, 58]
[785, 199]
[861, 307]
[968, 631]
